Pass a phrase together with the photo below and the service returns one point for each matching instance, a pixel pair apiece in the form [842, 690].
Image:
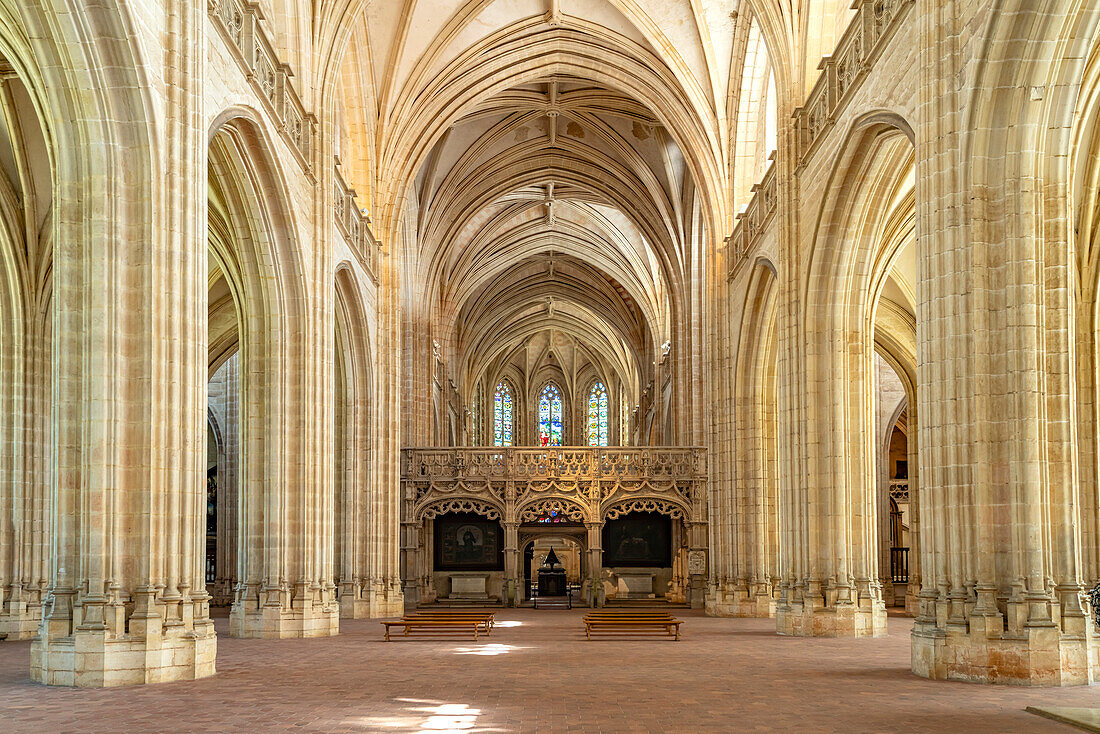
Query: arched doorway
[569, 543]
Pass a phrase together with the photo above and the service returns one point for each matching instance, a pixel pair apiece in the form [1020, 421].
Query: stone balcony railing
[899, 490]
[239, 22]
[842, 72]
[751, 222]
[566, 462]
[585, 484]
[354, 225]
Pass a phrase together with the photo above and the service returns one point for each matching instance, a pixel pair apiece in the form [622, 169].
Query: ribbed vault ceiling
[554, 166]
[553, 205]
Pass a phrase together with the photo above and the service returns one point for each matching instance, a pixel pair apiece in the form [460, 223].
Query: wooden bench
[411, 624]
[485, 619]
[632, 622]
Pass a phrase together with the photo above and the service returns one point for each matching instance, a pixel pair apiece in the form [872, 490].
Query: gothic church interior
[782, 316]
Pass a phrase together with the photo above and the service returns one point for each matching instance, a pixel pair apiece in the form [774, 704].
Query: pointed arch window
[597, 415]
[502, 415]
[550, 426]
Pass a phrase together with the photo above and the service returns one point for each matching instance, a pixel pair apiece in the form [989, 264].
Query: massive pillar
[25, 445]
[127, 601]
[1002, 573]
[829, 579]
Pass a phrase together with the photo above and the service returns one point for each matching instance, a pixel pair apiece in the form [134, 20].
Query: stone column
[1001, 569]
[829, 584]
[384, 537]
[127, 601]
[513, 582]
[594, 593]
[696, 571]
[25, 447]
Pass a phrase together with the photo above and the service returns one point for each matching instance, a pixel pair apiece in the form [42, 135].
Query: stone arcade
[313, 311]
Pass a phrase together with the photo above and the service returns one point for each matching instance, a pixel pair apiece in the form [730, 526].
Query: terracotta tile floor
[541, 675]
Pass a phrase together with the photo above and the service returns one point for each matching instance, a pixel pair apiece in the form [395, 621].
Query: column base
[354, 608]
[979, 651]
[21, 624]
[370, 604]
[96, 659]
[386, 600]
[867, 619]
[283, 617]
[740, 601]
[221, 592]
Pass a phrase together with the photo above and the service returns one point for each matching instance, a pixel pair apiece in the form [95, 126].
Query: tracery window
[550, 426]
[502, 415]
[597, 415]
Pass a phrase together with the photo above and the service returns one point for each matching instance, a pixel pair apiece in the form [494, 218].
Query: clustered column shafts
[128, 601]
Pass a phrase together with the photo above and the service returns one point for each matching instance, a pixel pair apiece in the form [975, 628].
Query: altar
[469, 586]
[635, 585]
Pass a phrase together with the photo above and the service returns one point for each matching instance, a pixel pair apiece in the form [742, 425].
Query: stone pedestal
[93, 659]
[635, 586]
[472, 587]
[979, 649]
[741, 600]
[830, 616]
[276, 614]
[386, 598]
[85, 641]
[20, 614]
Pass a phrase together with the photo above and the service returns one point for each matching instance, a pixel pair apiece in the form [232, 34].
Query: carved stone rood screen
[586, 485]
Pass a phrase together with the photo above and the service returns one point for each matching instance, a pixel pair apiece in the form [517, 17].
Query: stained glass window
[550, 428]
[502, 415]
[597, 415]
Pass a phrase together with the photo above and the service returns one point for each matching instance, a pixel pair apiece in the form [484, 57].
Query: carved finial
[550, 203]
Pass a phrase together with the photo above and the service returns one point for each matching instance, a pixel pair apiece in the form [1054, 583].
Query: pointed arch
[550, 408]
[504, 414]
[597, 427]
[355, 518]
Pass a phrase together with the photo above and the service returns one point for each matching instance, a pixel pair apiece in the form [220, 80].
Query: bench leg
[387, 634]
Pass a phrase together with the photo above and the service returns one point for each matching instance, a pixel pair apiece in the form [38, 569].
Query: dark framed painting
[468, 542]
[638, 540]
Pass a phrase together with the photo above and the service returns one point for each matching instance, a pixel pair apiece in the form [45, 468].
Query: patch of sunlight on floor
[450, 717]
[507, 623]
[441, 718]
[490, 649]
